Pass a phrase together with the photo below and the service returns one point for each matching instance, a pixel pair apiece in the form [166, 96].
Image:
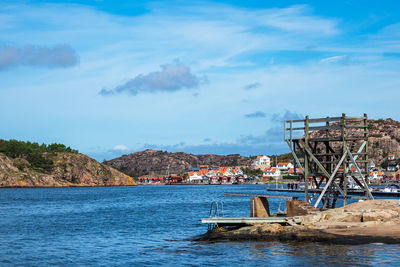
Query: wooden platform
[250, 220]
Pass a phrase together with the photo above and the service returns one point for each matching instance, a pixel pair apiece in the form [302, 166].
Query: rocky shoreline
[68, 170]
[373, 221]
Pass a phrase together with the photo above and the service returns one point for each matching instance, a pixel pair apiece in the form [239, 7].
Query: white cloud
[296, 19]
[59, 56]
[388, 38]
[343, 60]
[171, 78]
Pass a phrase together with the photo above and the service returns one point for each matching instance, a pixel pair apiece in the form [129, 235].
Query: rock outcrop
[383, 139]
[379, 211]
[69, 169]
[361, 222]
[299, 208]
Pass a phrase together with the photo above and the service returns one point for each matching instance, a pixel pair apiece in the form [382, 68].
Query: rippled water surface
[149, 225]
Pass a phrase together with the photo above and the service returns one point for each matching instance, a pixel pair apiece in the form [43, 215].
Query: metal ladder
[216, 210]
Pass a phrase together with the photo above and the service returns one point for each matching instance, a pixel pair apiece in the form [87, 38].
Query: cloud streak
[252, 86]
[58, 56]
[270, 136]
[340, 60]
[257, 114]
[171, 78]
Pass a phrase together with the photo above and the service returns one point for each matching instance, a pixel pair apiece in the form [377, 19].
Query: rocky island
[25, 164]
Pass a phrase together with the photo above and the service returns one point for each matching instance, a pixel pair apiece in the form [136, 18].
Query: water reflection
[296, 253]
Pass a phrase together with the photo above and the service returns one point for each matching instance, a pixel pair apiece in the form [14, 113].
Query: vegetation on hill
[253, 172]
[287, 157]
[27, 164]
[32, 152]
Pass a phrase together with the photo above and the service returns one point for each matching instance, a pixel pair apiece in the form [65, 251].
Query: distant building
[391, 157]
[371, 166]
[392, 167]
[293, 173]
[284, 166]
[375, 175]
[396, 175]
[271, 172]
[261, 162]
[195, 177]
[237, 171]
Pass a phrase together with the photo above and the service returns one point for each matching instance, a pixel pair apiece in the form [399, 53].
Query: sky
[114, 77]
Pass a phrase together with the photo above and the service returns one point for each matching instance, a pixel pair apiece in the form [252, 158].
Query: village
[281, 171]
[210, 174]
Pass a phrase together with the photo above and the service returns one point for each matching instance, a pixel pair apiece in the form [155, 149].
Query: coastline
[373, 221]
[65, 186]
[388, 234]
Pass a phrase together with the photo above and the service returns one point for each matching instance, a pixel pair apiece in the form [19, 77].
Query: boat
[392, 188]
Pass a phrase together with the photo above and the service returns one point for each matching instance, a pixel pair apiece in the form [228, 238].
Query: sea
[151, 226]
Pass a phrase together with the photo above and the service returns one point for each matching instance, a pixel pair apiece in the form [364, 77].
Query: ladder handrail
[217, 211]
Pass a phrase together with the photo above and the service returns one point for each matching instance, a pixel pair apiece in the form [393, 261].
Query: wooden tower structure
[331, 152]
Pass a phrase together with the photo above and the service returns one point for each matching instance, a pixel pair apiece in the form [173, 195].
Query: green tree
[32, 152]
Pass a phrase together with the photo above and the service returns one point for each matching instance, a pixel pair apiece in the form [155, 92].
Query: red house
[214, 180]
[174, 179]
[224, 180]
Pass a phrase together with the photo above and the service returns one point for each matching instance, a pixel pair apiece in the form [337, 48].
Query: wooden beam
[248, 220]
[330, 181]
[254, 195]
[361, 175]
[295, 157]
[322, 169]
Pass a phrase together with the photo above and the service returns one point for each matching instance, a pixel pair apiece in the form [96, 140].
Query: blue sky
[114, 77]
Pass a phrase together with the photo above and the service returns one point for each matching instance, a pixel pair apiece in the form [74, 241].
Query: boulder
[380, 216]
[299, 208]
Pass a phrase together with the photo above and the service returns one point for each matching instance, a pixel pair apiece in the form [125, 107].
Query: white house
[262, 162]
[376, 175]
[271, 172]
[392, 167]
[194, 177]
[391, 157]
[284, 166]
[225, 171]
[292, 173]
[236, 171]
[212, 173]
[371, 166]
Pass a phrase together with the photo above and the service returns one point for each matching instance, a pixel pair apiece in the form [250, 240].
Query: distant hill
[25, 164]
[156, 162]
[383, 139]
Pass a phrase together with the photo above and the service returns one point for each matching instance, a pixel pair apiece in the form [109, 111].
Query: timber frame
[330, 151]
